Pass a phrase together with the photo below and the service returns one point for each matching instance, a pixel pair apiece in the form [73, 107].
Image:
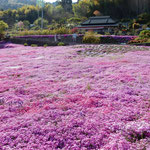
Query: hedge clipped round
[61, 44]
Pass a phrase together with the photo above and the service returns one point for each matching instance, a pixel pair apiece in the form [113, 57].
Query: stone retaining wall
[67, 39]
[41, 40]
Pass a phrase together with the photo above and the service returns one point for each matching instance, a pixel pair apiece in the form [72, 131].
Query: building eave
[97, 26]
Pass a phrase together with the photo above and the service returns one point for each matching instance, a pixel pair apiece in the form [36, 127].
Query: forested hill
[13, 4]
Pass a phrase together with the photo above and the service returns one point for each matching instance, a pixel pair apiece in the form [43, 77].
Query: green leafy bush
[39, 20]
[119, 33]
[25, 44]
[61, 30]
[148, 24]
[135, 25]
[144, 37]
[33, 45]
[3, 27]
[61, 44]
[138, 41]
[148, 41]
[144, 34]
[107, 33]
[91, 38]
[143, 18]
[45, 45]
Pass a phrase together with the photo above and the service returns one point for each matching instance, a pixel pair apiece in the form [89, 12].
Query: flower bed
[54, 98]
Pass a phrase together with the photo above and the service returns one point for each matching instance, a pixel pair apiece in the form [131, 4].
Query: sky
[55, 0]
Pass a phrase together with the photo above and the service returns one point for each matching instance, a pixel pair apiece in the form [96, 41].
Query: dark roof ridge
[100, 17]
[99, 20]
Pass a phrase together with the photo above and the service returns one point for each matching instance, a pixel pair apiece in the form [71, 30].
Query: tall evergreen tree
[67, 5]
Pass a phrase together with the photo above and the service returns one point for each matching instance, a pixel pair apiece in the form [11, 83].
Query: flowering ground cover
[66, 98]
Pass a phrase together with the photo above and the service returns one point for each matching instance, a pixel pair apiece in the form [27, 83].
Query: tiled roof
[99, 20]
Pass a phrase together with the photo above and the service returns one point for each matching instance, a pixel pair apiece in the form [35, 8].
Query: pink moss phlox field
[53, 98]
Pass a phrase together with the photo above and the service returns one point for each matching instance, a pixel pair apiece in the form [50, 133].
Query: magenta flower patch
[85, 97]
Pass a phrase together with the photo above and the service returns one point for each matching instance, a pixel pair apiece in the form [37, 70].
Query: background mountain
[13, 4]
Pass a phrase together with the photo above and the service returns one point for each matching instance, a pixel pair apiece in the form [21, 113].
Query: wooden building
[99, 24]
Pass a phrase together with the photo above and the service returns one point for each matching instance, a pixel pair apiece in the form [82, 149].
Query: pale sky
[55, 0]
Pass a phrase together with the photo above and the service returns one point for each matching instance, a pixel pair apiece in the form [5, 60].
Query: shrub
[61, 30]
[45, 45]
[144, 26]
[119, 33]
[107, 33]
[148, 41]
[74, 30]
[144, 34]
[25, 44]
[148, 24]
[61, 44]
[138, 41]
[39, 20]
[33, 45]
[45, 32]
[143, 18]
[3, 27]
[129, 33]
[135, 25]
[144, 37]
[91, 38]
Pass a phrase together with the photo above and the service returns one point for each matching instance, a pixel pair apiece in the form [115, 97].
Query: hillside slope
[13, 4]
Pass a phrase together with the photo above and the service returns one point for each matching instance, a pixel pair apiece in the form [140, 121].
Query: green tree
[60, 15]
[82, 9]
[116, 8]
[29, 13]
[38, 22]
[3, 27]
[49, 12]
[67, 5]
[143, 18]
[26, 24]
